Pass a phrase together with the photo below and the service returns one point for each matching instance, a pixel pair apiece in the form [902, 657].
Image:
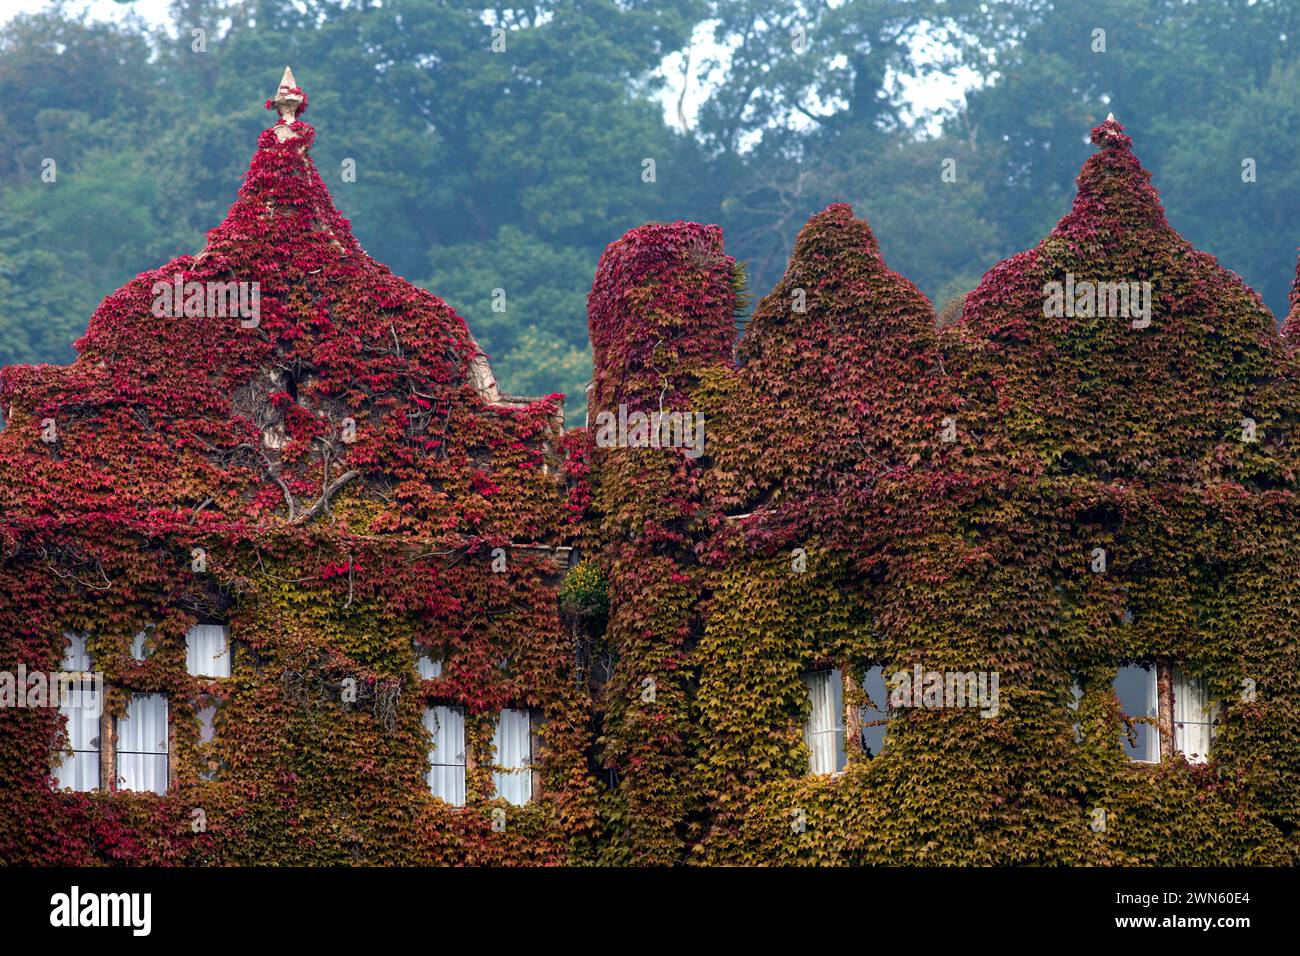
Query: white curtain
[207, 650]
[207, 717]
[514, 748]
[446, 775]
[138, 649]
[1136, 688]
[824, 731]
[873, 737]
[75, 656]
[82, 705]
[207, 723]
[1193, 717]
[142, 744]
[428, 665]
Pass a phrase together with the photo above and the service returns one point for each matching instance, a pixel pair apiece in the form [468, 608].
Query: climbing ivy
[338, 482]
[354, 498]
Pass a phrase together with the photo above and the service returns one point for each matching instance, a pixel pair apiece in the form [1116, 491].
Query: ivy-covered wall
[340, 483]
[883, 491]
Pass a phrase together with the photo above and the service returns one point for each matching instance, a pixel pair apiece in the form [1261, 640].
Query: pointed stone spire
[289, 101]
[1109, 132]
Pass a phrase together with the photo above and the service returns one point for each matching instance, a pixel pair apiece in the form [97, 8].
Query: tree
[1198, 81]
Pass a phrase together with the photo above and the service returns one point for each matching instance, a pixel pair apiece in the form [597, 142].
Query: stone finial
[1108, 132]
[288, 101]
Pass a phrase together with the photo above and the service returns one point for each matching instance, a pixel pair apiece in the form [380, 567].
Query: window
[142, 645]
[142, 744]
[1194, 717]
[447, 756]
[1136, 688]
[824, 731]
[131, 752]
[875, 712]
[429, 666]
[1076, 695]
[207, 650]
[513, 745]
[1183, 706]
[207, 718]
[76, 658]
[82, 706]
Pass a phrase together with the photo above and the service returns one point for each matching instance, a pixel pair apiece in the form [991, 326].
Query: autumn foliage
[346, 483]
[883, 493]
[876, 490]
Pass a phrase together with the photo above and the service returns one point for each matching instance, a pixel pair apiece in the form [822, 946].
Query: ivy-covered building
[1013, 590]
[279, 504]
[857, 587]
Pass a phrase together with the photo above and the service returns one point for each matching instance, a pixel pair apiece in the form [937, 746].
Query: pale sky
[152, 10]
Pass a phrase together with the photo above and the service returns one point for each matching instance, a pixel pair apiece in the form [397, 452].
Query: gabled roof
[180, 393]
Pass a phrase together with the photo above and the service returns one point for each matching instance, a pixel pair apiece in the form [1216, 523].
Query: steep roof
[335, 369]
[1291, 325]
[836, 386]
[1113, 346]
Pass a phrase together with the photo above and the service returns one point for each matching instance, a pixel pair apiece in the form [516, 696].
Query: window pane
[427, 664]
[207, 651]
[207, 723]
[82, 705]
[207, 718]
[143, 773]
[1193, 717]
[513, 746]
[1076, 695]
[824, 731]
[75, 656]
[80, 771]
[1136, 688]
[446, 776]
[142, 744]
[873, 737]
